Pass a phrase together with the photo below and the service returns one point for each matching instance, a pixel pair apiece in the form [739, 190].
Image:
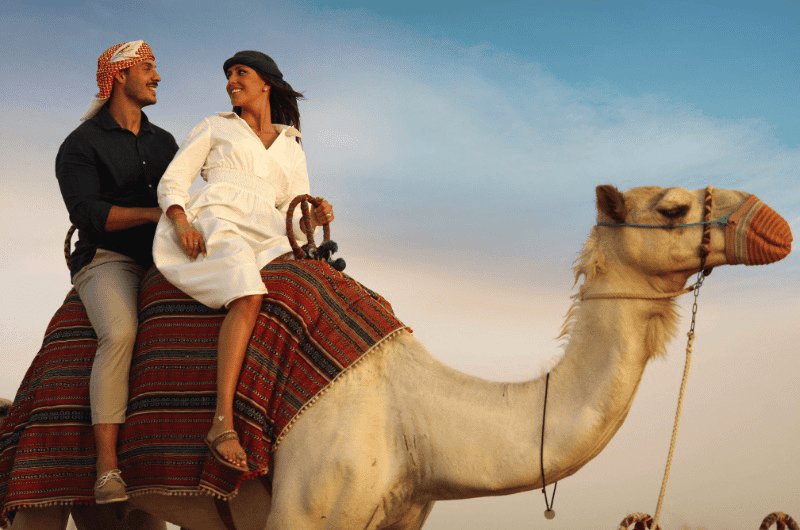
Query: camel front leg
[338, 468]
[413, 519]
[49, 518]
[329, 501]
[339, 488]
[249, 509]
[357, 515]
[110, 517]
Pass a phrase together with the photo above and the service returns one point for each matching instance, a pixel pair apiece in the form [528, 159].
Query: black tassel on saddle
[310, 250]
[326, 249]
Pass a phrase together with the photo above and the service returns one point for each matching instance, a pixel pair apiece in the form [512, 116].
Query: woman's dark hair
[282, 97]
[283, 104]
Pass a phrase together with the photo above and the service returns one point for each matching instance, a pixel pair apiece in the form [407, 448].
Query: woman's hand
[323, 214]
[189, 237]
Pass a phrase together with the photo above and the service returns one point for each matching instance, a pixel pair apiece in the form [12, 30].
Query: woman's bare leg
[234, 337]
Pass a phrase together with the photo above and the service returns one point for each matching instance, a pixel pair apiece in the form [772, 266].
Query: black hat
[260, 62]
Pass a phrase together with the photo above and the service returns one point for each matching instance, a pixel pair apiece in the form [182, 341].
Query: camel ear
[611, 203]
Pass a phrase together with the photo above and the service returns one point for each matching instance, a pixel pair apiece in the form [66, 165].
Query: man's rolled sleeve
[80, 187]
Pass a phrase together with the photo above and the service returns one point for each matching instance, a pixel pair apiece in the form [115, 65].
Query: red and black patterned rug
[314, 324]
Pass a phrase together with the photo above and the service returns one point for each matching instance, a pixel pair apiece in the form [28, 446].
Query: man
[108, 170]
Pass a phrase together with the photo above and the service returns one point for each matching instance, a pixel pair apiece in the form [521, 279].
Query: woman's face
[245, 87]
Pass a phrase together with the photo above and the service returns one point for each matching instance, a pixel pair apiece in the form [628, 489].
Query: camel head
[656, 233]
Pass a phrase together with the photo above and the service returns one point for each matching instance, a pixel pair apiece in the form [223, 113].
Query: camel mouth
[757, 235]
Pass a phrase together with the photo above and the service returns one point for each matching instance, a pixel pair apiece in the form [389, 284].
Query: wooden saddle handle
[304, 201]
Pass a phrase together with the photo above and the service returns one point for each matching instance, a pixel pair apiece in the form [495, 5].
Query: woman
[213, 243]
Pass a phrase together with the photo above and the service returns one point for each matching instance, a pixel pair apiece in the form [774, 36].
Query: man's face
[140, 81]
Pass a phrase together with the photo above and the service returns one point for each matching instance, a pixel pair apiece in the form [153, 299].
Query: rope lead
[549, 513]
[687, 364]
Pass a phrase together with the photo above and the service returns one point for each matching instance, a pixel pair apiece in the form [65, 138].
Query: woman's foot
[224, 444]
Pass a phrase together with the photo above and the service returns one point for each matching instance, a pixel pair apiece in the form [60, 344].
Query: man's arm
[80, 188]
[121, 217]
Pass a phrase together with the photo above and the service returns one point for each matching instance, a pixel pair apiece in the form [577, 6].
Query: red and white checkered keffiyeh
[116, 58]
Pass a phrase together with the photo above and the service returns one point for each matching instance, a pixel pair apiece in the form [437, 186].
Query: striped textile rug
[314, 324]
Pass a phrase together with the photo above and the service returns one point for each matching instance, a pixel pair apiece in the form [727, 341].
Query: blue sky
[453, 107]
[732, 59]
[460, 143]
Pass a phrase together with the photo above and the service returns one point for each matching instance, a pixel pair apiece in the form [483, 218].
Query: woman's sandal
[224, 436]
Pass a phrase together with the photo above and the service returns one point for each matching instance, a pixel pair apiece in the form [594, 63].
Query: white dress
[241, 210]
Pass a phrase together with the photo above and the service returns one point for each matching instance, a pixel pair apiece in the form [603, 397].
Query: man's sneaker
[110, 488]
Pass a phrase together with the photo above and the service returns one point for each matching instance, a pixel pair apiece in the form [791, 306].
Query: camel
[401, 430]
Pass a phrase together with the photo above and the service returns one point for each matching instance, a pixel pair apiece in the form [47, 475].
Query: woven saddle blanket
[314, 324]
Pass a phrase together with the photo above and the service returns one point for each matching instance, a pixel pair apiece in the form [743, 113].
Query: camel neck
[494, 429]
[592, 388]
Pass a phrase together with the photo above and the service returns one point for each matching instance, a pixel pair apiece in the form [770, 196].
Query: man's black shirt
[101, 165]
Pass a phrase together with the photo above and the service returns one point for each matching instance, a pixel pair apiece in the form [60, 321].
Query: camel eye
[674, 213]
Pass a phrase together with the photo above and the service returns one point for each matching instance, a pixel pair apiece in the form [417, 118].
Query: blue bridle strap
[722, 221]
